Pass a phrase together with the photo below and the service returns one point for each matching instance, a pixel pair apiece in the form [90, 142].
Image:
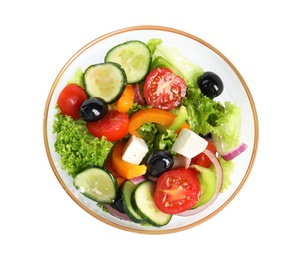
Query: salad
[143, 134]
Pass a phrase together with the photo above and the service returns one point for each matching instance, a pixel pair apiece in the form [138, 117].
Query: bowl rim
[175, 31]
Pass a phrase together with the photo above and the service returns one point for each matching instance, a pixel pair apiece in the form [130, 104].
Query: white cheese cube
[135, 150]
[189, 144]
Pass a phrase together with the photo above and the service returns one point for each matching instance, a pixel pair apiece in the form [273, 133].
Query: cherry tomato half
[70, 100]
[163, 89]
[202, 159]
[114, 126]
[177, 190]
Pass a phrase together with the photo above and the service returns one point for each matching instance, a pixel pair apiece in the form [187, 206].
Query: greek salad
[143, 134]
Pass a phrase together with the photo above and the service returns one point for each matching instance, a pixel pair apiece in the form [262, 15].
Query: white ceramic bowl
[199, 52]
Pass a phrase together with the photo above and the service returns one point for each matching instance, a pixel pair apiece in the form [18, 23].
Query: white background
[38, 218]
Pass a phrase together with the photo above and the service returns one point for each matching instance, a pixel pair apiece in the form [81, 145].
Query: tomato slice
[70, 100]
[114, 126]
[163, 89]
[177, 190]
[202, 159]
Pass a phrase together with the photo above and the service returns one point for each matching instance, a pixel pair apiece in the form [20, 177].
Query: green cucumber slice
[143, 202]
[127, 190]
[207, 179]
[135, 58]
[105, 80]
[97, 184]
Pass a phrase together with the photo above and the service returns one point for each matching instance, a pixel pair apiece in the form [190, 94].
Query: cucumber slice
[97, 184]
[143, 202]
[105, 80]
[135, 58]
[127, 190]
[207, 179]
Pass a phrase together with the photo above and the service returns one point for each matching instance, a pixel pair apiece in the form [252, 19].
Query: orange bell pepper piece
[123, 168]
[126, 100]
[153, 115]
[119, 178]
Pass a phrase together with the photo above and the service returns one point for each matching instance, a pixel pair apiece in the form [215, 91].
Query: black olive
[159, 162]
[210, 84]
[207, 136]
[93, 109]
[120, 205]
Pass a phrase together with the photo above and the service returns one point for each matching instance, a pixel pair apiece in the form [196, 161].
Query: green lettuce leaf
[76, 146]
[78, 78]
[227, 169]
[171, 58]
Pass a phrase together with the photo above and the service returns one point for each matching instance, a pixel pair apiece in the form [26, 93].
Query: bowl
[199, 52]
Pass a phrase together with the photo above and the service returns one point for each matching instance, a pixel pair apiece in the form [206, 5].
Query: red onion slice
[219, 179]
[151, 178]
[138, 96]
[138, 180]
[114, 212]
[235, 152]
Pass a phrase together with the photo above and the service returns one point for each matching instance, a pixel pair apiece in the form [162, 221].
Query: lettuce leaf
[76, 146]
[205, 115]
[171, 58]
[227, 168]
[78, 78]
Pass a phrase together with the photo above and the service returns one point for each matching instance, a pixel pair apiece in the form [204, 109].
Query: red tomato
[70, 100]
[177, 190]
[202, 159]
[163, 89]
[114, 126]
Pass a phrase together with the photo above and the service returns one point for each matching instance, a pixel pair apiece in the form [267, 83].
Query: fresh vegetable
[77, 148]
[163, 89]
[138, 92]
[177, 190]
[70, 100]
[210, 84]
[97, 184]
[115, 212]
[170, 58]
[113, 126]
[93, 109]
[226, 132]
[142, 200]
[219, 181]
[230, 155]
[202, 159]
[180, 119]
[105, 80]
[207, 180]
[135, 58]
[123, 168]
[108, 165]
[154, 115]
[127, 190]
[126, 100]
[78, 78]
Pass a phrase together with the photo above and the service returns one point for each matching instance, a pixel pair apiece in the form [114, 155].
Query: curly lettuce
[78, 78]
[76, 146]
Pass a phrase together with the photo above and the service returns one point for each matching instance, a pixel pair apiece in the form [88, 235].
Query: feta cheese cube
[189, 144]
[135, 150]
